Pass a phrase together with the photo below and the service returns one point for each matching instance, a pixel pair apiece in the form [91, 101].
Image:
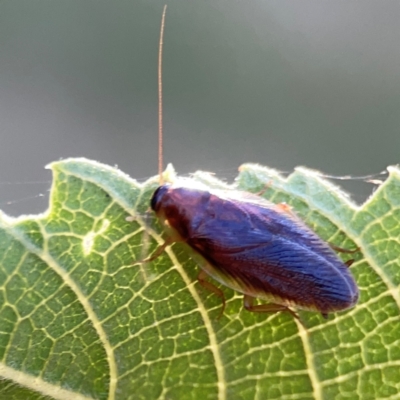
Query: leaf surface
[81, 318]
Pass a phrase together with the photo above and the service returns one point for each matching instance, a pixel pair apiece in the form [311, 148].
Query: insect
[253, 246]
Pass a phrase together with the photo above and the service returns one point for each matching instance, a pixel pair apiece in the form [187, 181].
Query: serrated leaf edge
[222, 386]
[214, 347]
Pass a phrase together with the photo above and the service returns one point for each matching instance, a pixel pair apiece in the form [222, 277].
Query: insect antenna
[160, 104]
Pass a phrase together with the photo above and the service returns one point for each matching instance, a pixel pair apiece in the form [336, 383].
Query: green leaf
[80, 318]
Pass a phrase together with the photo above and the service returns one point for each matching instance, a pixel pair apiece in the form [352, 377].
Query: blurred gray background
[281, 83]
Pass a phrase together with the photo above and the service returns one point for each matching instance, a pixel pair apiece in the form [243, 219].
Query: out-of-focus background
[281, 83]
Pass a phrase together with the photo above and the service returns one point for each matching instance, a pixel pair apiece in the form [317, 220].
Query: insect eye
[157, 197]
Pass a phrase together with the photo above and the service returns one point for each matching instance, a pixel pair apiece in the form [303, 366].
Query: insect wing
[257, 248]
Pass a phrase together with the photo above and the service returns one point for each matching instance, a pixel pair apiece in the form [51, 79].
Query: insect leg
[159, 250]
[212, 288]
[342, 250]
[248, 304]
[347, 251]
[266, 187]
